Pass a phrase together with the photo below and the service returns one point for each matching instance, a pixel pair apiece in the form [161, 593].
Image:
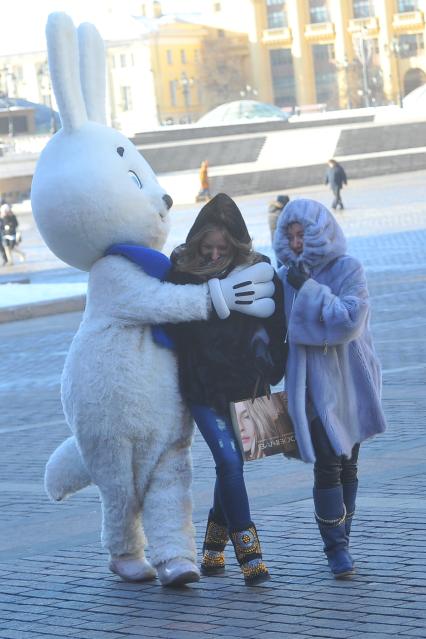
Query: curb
[41, 309]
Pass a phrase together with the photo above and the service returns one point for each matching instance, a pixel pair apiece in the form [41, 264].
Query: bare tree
[223, 69]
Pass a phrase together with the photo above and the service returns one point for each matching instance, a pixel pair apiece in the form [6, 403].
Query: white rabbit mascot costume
[100, 208]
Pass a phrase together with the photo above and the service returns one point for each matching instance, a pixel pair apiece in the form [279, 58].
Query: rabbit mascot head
[91, 187]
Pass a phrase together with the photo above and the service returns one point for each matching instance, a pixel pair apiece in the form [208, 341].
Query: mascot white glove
[247, 290]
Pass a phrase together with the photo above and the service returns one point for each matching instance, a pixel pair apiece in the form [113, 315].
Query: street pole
[365, 87]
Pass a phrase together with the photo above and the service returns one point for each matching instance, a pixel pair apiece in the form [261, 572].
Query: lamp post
[364, 63]
[396, 50]
[248, 91]
[186, 84]
[7, 74]
[44, 77]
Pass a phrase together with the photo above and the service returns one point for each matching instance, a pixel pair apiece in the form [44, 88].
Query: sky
[23, 21]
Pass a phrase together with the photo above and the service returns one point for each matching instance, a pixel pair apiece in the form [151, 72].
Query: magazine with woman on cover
[263, 427]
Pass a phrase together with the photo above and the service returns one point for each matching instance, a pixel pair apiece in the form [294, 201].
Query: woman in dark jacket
[222, 361]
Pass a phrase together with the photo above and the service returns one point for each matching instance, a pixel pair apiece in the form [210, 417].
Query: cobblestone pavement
[54, 581]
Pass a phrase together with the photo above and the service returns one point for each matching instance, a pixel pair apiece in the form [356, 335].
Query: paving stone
[54, 580]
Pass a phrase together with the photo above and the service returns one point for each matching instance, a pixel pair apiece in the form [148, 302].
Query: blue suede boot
[349, 498]
[330, 514]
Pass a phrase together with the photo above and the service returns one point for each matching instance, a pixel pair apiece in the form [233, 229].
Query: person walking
[333, 376]
[274, 211]
[204, 192]
[223, 360]
[336, 177]
[2, 251]
[9, 226]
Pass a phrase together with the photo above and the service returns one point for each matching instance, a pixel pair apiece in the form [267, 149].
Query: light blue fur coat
[331, 354]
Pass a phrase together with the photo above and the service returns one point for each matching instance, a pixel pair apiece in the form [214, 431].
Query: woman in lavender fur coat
[333, 376]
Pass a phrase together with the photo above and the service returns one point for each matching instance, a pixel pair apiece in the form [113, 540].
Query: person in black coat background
[336, 178]
[223, 360]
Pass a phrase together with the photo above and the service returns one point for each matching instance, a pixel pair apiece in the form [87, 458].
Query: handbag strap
[266, 388]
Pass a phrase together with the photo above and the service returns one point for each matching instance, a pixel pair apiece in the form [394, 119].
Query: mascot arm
[121, 289]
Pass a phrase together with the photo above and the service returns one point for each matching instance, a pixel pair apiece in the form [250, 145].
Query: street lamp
[43, 75]
[364, 56]
[396, 50]
[186, 84]
[8, 75]
[248, 91]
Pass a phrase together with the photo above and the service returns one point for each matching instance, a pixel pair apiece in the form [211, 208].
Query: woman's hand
[295, 277]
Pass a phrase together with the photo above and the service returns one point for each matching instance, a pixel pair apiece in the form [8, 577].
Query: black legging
[331, 470]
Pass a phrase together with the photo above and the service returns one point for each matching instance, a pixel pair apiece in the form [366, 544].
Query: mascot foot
[177, 572]
[132, 569]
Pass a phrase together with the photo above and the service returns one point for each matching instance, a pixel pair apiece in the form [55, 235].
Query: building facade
[160, 70]
[170, 69]
[338, 53]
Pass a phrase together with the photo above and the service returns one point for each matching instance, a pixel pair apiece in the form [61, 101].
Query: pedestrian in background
[336, 178]
[274, 211]
[333, 376]
[2, 251]
[204, 192]
[11, 235]
[221, 360]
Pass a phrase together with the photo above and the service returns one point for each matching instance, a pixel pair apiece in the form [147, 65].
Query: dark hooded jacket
[217, 360]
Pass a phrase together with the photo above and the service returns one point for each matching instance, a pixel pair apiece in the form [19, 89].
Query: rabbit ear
[62, 49]
[92, 71]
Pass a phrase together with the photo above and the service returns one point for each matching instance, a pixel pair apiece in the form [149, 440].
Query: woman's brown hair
[188, 258]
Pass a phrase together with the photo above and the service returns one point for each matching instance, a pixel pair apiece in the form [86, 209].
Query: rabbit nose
[168, 200]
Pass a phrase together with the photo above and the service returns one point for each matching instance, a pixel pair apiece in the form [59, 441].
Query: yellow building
[195, 68]
[338, 53]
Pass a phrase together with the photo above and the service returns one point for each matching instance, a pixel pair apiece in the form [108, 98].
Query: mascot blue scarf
[155, 264]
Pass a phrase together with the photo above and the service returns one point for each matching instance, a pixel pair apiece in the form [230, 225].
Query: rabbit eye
[135, 179]
[120, 151]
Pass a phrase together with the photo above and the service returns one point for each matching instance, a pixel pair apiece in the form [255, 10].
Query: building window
[282, 73]
[126, 98]
[169, 55]
[123, 60]
[410, 45]
[325, 74]
[183, 56]
[197, 56]
[173, 92]
[217, 7]
[363, 8]
[113, 61]
[318, 11]
[132, 60]
[407, 5]
[276, 14]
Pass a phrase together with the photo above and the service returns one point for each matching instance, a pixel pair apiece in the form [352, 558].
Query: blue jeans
[230, 504]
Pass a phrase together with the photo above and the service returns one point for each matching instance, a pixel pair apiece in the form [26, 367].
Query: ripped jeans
[230, 505]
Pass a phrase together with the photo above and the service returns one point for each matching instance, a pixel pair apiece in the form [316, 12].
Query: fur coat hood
[332, 369]
[323, 238]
